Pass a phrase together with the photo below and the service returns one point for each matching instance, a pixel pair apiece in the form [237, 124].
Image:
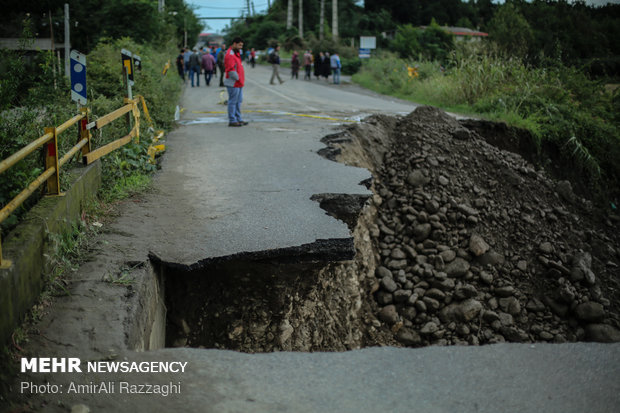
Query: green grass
[126, 187]
[559, 105]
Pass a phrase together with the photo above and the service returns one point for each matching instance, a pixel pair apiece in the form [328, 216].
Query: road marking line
[279, 94]
[277, 112]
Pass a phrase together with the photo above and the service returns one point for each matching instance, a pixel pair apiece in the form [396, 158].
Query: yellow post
[51, 160]
[84, 133]
[4, 264]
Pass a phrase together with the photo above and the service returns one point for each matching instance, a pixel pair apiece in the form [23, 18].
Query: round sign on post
[78, 77]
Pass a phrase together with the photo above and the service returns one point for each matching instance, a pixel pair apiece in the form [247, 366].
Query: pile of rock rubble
[475, 245]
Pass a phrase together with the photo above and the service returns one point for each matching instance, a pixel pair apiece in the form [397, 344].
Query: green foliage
[509, 29]
[561, 107]
[45, 101]
[432, 43]
[406, 42]
[351, 66]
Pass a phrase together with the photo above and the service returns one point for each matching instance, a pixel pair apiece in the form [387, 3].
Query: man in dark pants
[220, 63]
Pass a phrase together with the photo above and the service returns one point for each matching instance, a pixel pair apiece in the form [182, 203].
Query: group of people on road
[191, 64]
[324, 65]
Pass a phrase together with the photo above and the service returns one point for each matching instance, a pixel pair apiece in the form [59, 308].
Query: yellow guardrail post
[51, 161]
[84, 131]
[4, 264]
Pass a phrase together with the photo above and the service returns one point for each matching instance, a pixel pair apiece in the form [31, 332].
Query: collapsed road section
[476, 245]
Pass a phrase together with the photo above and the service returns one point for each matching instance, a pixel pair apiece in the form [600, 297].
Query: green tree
[406, 42]
[509, 29]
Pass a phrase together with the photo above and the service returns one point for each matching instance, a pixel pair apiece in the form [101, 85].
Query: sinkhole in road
[315, 297]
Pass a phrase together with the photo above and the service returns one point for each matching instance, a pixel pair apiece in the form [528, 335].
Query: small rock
[545, 248]
[388, 314]
[581, 270]
[417, 178]
[486, 278]
[505, 291]
[398, 254]
[400, 296]
[447, 256]
[565, 190]
[80, 408]
[465, 311]
[590, 311]
[408, 337]
[535, 305]
[506, 319]
[457, 268]
[397, 264]
[466, 291]
[510, 305]
[429, 328]
[286, 330]
[522, 265]
[383, 272]
[514, 334]
[491, 258]
[388, 284]
[490, 316]
[602, 333]
[477, 245]
[545, 335]
[443, 180]
[421, 232]
[435, 294]
[384, 298]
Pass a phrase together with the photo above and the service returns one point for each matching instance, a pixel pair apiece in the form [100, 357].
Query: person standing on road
[308, 65]
[220, 63]
[318, 61]
[180, 65]
[186, 56]
[194, 67]
[208, 64]
[325, 66]
[234, 79]
[336, 66]
[274, 59]
[253, 57]
[295, 65]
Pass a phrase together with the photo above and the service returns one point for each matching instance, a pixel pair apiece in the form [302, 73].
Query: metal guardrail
[53, 164]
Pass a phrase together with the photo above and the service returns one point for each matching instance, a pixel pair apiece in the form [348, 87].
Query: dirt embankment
[474, 244]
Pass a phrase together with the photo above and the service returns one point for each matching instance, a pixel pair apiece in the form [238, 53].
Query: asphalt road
[224, 191]
[228, 190]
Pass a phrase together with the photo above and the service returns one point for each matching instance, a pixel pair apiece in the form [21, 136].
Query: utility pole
[335, 19]
[322, 21]
[289, 15]
[67, 42]
[301, 19]
[161, 4]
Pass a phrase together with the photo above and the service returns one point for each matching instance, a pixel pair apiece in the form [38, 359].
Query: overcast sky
[235, 8]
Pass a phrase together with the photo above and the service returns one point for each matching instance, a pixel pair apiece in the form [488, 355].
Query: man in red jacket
[234, 79]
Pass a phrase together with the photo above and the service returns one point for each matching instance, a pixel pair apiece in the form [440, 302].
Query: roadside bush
[351, 66]
[560, 106]
[46, 102]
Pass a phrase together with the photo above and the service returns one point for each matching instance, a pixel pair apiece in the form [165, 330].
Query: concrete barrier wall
[26, 246]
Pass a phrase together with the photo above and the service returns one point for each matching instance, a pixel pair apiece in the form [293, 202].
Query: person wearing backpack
[220, 63]
[274, 59]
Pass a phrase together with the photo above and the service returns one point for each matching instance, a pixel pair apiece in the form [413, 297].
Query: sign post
[366, 44]
[127, 60]
[78, 77]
